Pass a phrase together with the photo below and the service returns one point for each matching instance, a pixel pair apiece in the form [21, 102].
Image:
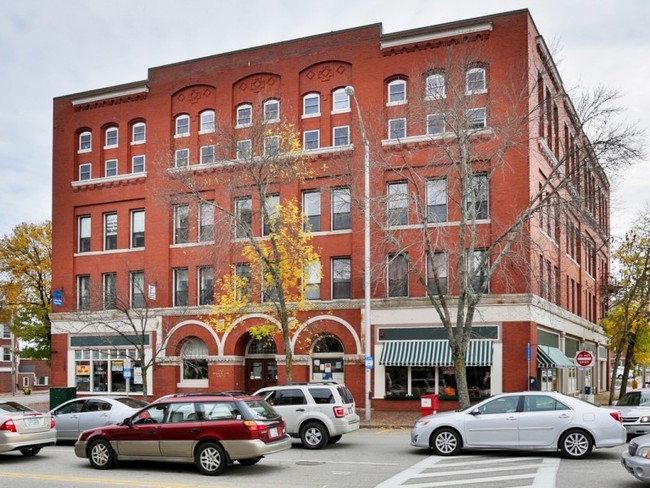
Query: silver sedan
[25, 430]
[79, 414]
[531, 420]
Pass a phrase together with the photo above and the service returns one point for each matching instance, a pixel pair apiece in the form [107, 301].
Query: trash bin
[587, 390]
[61, 395]
[429, 404]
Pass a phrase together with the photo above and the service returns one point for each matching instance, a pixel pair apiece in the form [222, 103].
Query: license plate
[33, 422]
[273, 432]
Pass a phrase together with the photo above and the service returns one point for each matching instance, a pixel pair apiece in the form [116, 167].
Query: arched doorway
[327, 359]
[261, 366]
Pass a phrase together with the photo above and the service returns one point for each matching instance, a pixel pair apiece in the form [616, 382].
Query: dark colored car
[211, 430]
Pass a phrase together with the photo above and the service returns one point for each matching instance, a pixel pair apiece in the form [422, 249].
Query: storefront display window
[412, 381]
[107, 370]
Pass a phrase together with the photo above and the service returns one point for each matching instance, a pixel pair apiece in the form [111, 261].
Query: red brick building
[17, 373]
[116, 232]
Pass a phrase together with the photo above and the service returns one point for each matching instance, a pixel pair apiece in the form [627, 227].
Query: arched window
[327, 359]
[138, 133]
[85, 141]
[475, 80]
[311, 105]
[435, 86]
[340, 101]
[272, 110]
[244, 115]
[397, 92]
[111, 137]
[262, 346]
[182, 125]
[327, 344]
[207, 119]
[194, 354]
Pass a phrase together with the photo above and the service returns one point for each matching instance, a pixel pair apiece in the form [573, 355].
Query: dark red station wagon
[211, 430]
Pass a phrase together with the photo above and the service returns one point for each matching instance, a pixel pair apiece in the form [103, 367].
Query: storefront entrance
[260, 373]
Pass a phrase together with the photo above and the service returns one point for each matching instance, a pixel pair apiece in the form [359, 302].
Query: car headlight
[643, 452]
[644, 419]
[421, 423]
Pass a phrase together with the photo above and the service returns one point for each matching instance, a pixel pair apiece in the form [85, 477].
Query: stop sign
[584, 359]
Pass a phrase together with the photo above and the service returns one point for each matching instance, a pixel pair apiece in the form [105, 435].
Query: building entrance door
[260, 373]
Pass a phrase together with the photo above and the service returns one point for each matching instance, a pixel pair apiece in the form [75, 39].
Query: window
[137, 289]
[194, 354]
[83, 292]
[138, 133]
[85, 142]
[244, 149]
[397, 276]
[341, 278]
[244, 115]
[341, 135]
[180, 287]
[109, 292]
[206, 222]
[110, 231]
[311, 139]
[182, 125]
[242, 281]
[243, 216]
[272, 111]
[437, 200]
[437, 272]
[476, 118]
[311, 210]
[137, 228]
[207, 154]
[475, 81]
[138, 164]
[311, 105]
[312, 276]
[476, 269]
[207, 121]
[182, 158]
[84, 171]
[397, 204]
[480, 196]
[340, 208]
[6, 354]
[110, 168]
[6, 333]
[340, 101]
[396, 128]
[84, 234]
[435, 124]
[271, 146]
[206, 285]
[181, 224]
[111, 137]
[270, 213]
[397, 92]
[435, 86]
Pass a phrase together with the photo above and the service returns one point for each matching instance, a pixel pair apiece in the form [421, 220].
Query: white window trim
[250, 150]
[117, 169]
[444, 123]
[340, 110]
[304, 139]
[443, 95]
[133, 141]
[334, 135]
[476, 109]
[277, 118]
[242, 107]
[117, 137]
[390, 103]
[178, 151]
[144, 164]
[307, 96]
[90, 171]
[390, 138]
[214, 122]
[181, 134]
[482, 90]
[213, 154]
[90, 135]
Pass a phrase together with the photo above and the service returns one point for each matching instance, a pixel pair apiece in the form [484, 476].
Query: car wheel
[249, 461]
[445, 442]
[210, 458]
[314, 435]
[30, 451]
[101, 455]
[576, 444]
[334, 439]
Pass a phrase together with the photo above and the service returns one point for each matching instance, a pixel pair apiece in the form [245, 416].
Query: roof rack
[231, 393]
[313, 383]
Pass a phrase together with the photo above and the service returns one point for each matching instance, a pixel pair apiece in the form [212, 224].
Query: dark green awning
[551, 357]
[433, 353]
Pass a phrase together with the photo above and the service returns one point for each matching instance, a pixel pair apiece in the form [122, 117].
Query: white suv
[317, 413]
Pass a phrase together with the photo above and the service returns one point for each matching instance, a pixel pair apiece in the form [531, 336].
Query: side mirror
[475, 412]
[127, 421]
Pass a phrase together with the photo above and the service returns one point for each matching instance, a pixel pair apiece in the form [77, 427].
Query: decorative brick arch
[348, 336]
[194, 328]
[233, 342]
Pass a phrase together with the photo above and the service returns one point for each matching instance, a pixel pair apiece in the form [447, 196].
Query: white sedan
[530, 420]
[79, 414]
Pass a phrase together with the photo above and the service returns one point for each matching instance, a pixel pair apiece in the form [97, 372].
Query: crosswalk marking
[517, 472]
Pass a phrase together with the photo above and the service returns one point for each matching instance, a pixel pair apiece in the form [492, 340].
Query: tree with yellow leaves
[26, 285]
[627, 322]
[273, 282]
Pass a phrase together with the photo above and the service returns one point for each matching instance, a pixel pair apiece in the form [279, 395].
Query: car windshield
[132, 402]
[13, 407]
[261, 409]
[634, 399]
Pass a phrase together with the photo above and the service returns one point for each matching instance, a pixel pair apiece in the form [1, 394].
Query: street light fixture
[349, 90]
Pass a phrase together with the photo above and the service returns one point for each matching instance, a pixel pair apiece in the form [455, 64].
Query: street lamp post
[349, 90]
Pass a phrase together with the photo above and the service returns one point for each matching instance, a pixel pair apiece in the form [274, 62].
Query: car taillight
[8, 426]
[616, 416]
[52, 423]
[339, 412]
[254, 426]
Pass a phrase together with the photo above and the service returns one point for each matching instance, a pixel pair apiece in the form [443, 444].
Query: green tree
[26, 286]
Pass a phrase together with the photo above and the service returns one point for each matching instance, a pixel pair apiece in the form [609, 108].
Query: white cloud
[49, 49]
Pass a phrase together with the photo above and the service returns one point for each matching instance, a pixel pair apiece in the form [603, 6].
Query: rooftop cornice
[472, 32]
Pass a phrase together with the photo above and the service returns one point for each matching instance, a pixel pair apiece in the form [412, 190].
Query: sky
[53, 48]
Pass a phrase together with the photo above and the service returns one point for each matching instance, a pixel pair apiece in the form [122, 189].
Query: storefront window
[327, 359]
[411, 381]
[107, 370]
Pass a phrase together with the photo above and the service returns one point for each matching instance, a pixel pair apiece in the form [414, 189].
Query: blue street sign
[528, 353]
[57, 298]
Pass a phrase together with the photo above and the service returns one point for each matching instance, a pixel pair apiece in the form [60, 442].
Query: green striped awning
[551, 357]
[433, 353]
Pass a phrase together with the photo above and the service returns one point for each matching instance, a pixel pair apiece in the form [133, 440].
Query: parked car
[318, 413]
[211, 430]
[25, 430]
[79, 414]
[636, 459]
[531, 420]
[634, 406]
